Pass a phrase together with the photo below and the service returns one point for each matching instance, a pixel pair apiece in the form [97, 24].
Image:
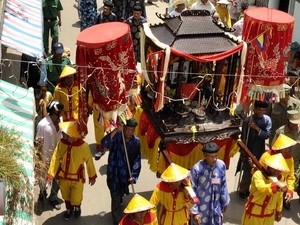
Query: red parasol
[105, 60]
[268, 33]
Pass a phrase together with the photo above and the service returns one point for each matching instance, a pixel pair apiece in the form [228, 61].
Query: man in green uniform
[52, 20]
[55, 64]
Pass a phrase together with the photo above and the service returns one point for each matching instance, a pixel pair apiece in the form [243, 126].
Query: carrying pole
[127, 160]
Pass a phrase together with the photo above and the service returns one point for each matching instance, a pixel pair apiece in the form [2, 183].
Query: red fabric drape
[268, 33]
[105, 58]
[209, 58]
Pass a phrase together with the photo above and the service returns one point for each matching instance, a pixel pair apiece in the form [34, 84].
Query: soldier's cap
[210, 147]
[260, 104]
[108, 4]
[283, 142]
[131, 123]
[58, 48]
[67, 71]
[174, 173]
[137, 8]
[138, 204]
[277, 162]
[71, 129]
[293, 116]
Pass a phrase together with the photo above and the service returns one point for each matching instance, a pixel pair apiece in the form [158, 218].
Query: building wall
[296, 14]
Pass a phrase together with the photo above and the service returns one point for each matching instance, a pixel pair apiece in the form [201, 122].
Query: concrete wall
[296, 14]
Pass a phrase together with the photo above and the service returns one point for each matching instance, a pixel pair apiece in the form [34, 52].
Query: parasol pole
[127, 160]
[242, 163]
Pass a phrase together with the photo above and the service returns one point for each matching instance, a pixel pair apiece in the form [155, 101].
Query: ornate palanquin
[191, 67]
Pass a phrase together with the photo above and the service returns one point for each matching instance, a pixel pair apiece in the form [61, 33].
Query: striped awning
[22, 26]
[17, 107]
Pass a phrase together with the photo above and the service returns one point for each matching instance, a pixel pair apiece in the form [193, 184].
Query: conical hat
[277, 162]
[67, 71]
[283, 142]
[138, 204]
[174, 173]
[70, 128]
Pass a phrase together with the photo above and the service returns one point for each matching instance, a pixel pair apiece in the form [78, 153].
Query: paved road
[96, 202]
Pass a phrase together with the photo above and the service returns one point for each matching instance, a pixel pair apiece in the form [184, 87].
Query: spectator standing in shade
[204, 5]
[69, 160]
[29, 71]
[256, 129]
[67, 92]
[87, 13]
[52, 20]
[238, 25]
[117, 142]
[49, 132]
[208, 178]
[135, 22]
[106, 15]
[55, 64]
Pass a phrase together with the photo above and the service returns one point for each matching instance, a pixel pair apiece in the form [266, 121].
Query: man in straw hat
[67, 164]
[208, 178]
[256, 129]
[170, 194]
[139, 211]
[291, 129]
[264, 205]
[124, 164]
[179, 7]
[283, 145]
[67, 92]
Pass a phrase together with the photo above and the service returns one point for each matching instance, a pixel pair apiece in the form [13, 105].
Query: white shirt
[238, 26]
[175, 13]
[208, 6]
[47, 131]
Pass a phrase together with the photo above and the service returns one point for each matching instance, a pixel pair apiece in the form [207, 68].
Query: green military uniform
[51, 23]
[54, 69]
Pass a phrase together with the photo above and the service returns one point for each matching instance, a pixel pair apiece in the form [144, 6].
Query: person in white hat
[70, 158]
[139, 211]
[67, 92]
[283, 145]
[264, 205]
[170, 195]
[179, 7]
[208, 178]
